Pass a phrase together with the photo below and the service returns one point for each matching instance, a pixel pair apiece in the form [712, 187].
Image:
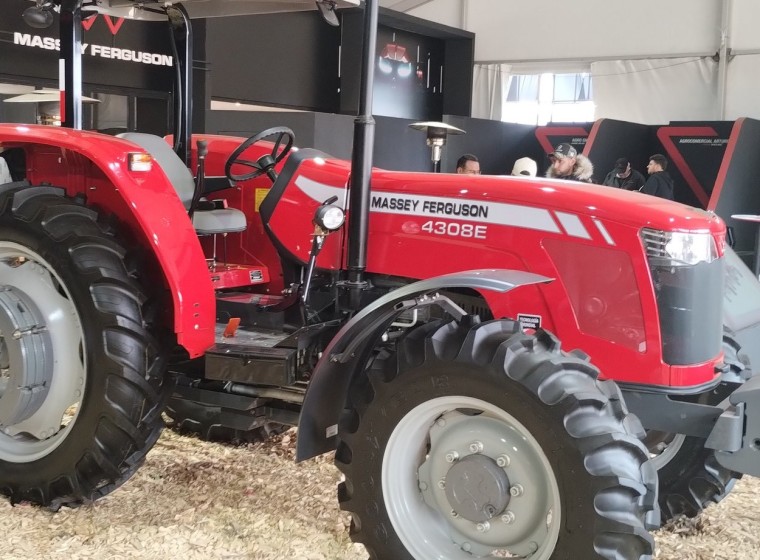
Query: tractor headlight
[687, 278]
[329, 217]
[675, 248]
[140, 162]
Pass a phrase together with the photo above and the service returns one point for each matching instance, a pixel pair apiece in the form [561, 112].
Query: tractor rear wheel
[81, 373]
[690, 476]
[482, 441]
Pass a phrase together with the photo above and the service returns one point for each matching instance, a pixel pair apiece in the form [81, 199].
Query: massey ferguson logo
[113, 24]
[100, 51]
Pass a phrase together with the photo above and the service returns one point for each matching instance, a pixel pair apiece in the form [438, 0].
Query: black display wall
[297, 61]
[496, 144]
[408, 75]
[397, 146]
[695, 151]
[612, 139]
[289, 60]
[736, 189]
[445, 85]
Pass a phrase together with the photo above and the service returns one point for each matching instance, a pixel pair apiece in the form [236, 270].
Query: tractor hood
[153, 9]
[595, 201]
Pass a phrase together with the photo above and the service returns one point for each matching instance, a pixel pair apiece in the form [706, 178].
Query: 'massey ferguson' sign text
[127, 55]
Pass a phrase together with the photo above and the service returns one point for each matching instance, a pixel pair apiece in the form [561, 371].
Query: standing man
[468, 164]
[568, 164]
[659, 183]
[624, 177]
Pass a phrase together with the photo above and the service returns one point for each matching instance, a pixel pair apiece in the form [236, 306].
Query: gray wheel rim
[27, 274]
[414, 479]
[660, 458]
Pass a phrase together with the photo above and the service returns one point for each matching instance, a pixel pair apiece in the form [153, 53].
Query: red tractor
[421, 341]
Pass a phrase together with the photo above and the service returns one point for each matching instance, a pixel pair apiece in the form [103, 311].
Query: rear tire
[99, 375]
[566, 474]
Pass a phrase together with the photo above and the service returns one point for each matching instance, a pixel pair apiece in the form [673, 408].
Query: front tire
[691, 478]
[89, 405]
[484, 441]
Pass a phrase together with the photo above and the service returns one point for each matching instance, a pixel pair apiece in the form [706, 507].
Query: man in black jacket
[624, 177]
[659, 183]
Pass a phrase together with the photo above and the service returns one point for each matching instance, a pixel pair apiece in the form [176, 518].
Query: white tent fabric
[656, 91]
[489, 89]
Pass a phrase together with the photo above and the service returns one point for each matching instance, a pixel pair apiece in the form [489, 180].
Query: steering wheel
[266, 163]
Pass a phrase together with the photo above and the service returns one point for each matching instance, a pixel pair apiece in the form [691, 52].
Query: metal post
[723, 54]
[70, 63]
[182, 48]
[361, 160]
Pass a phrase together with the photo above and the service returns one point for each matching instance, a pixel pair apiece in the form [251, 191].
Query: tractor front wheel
[483, 441]
[81, 373]
[690, 476]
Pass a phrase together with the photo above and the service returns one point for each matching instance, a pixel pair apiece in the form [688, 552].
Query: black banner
[116, 52]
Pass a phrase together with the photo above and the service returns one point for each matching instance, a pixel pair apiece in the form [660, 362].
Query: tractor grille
[654, 243]
[690, 305]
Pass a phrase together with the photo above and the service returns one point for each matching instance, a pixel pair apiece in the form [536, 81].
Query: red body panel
[96, 165]
[421, 225]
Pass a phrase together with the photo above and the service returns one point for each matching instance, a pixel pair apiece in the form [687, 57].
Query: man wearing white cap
[568, 164]
[525, 166]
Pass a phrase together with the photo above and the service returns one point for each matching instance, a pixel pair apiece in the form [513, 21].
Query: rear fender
[95, 166]
[349, 351]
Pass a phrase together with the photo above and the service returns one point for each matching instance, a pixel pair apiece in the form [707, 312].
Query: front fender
[347, 354]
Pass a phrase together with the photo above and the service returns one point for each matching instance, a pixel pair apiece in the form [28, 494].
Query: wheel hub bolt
[508, 517]
[442, 484]
[483, 527]
[503, 461]
[467, 547]
[452, 456]
[423, 485]
[516, 490]
[453, 514]
[476, 447]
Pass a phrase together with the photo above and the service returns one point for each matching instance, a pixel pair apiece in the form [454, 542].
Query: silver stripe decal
[481, 211]
[321, 192]
[604, 232]
[573, 225]
[469, 210]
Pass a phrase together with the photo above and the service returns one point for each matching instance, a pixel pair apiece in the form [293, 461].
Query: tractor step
[235, 275]
[254, 310]
[251, 356]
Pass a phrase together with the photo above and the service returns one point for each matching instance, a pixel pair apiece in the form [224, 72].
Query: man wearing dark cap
[568, 164]
[659, 183]
[623, 177]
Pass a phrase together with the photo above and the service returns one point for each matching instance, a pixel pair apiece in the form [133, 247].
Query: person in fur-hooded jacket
[568, 164]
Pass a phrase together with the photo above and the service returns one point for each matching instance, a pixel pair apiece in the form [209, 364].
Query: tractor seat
[205, 222]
